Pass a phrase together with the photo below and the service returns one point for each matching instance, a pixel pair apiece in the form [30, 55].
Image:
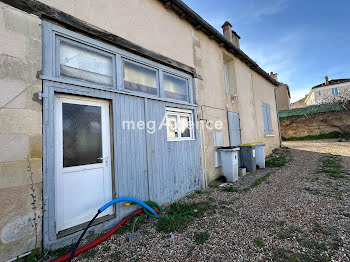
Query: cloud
[278, 55]
[257, 12]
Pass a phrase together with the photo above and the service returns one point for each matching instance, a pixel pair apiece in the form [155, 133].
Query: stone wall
[20, 133]
[315, 124]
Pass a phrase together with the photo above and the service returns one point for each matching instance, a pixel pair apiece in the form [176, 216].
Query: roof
[199, 23]
[333, 82]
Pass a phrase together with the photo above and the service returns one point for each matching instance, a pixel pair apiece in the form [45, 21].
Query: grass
[259, 242]
[313, 191]
[282, 235]
[230, 189]
[190, 251]
[331, 135]
[278, 158]
[89, 254]
[36, 255]
[331, 166]
[201, 237]
[180, 223]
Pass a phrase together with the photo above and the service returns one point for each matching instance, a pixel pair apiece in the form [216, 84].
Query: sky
[301, 40]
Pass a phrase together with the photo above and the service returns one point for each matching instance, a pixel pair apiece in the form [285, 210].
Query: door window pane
[82, 137]
[171, 122]
[139, 78]
[185, 126]
[175, 87]
[84, 64]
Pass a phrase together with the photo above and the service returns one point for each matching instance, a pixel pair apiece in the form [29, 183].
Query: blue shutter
[269, 122]
[266, 125]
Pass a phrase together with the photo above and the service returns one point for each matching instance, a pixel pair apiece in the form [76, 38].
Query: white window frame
[178, 113]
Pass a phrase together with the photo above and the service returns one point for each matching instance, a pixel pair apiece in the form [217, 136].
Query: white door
[83, 159]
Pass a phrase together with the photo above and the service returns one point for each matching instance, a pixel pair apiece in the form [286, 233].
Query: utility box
[260, 154]
[229, 159]
[248, 157]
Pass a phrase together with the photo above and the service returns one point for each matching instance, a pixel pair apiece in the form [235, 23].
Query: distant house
[329, 91]
[282, 94]
[299, 103]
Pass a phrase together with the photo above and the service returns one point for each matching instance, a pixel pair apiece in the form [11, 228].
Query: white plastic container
[229, 159]
[260, 154]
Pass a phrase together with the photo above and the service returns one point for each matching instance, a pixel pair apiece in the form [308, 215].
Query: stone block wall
[315, 124]
[20, 133]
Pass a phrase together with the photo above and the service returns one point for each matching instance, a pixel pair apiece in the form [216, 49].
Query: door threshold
[71, 230]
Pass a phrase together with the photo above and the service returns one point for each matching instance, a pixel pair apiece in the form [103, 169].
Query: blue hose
[103, 208]
[127, 199]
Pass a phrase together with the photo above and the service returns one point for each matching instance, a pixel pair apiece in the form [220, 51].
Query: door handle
[103, 158]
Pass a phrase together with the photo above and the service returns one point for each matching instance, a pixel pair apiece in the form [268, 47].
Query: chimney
[229, 34]
[274, 76]
[326, 80]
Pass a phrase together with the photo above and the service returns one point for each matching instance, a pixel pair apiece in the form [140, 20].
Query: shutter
[266, 125]
[234, 128]
[270, 132]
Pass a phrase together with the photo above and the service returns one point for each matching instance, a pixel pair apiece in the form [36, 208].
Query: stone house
[282, 94]
[329, 91]
[85, 91]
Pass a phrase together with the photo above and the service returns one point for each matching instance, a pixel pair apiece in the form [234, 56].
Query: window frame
[176, 76]
[319, 93]
[170, 111]
[123, 59]
[57, 72]
[52, 34]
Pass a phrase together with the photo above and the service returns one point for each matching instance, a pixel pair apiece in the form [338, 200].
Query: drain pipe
[278, 119]
[201, 138]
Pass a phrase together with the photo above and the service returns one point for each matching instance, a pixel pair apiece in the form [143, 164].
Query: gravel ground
[297, 214]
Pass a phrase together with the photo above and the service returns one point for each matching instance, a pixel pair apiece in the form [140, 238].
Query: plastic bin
[229, 159]
[248, 155]
[260, 154]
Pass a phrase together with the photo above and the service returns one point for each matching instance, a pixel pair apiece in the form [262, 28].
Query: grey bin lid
[228, 148]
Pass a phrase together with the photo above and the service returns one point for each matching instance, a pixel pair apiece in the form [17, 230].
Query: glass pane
[185, 126]
[84, 64]
[175, 88]
[82, 137]
[171, 122]
[139, 78]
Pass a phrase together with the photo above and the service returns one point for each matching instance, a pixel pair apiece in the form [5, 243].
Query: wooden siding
[145, 166]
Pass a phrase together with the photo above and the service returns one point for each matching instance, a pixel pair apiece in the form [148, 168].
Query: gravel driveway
[298, 213]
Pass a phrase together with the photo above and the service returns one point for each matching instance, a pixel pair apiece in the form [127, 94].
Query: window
[140, 78]
[335, 91]
[319, 93]
[75, 59]
[267, 119]
[85, 64]
[175, 87]
[179, 124]
[229, 76]
[227, 86]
